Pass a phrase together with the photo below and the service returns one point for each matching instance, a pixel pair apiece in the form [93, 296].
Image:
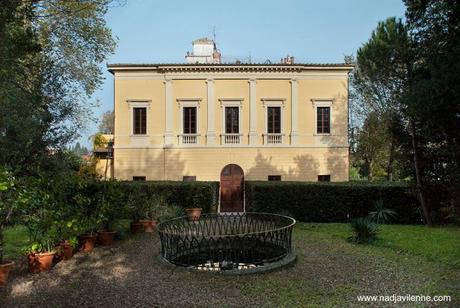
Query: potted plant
[107, 211]
[87, 215]
[168, 212]
[6, 210]
[153, 209]
[194, 212]
[88, 236]
[39, 219]
[135, 211]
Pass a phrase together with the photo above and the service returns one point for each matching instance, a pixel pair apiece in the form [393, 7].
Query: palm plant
[364, 231]
[381, 214]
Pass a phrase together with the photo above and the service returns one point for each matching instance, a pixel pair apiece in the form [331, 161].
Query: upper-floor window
[274, 120]
[231, 114]
[139, 120]
[323, 120]
[232, 121]
[189, 118]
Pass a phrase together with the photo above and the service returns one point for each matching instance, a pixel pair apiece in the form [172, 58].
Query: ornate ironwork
[227, 240]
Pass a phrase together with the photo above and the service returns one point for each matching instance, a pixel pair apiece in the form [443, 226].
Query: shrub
[331, 202]
[364, 231]
[380, 214]
[181, 194]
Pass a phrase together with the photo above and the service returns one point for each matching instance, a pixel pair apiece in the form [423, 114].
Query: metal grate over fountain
[227, 242]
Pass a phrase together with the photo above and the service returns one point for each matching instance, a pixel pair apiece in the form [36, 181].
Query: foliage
[431, 98]
[331, 202]
[157, 208]
[49, 67]
[39, 217]
[380, 214]
[99, 140]
[7, 202]
[181, 194]
[377, 86]
[106, 126]
[79, 150]
[372, 145]
[108, 206]
[364, 231]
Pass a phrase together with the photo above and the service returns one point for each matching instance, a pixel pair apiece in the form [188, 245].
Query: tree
[378, 81]
[49, 67]
[431, 100]
[371, 141]
[382, 78]
[107, 122]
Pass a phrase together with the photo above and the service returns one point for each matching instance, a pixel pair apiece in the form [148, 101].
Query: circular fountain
[228, 243]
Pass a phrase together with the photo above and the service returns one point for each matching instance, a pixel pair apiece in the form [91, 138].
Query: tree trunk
[390, 161]
[418, 176]
[1, 244]
[370, 176]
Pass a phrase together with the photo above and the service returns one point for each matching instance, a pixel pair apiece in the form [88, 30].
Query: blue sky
[322, 31]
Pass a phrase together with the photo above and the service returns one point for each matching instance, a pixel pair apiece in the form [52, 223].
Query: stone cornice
[250, 68]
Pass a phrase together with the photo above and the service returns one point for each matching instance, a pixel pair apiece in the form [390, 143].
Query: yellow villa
[208, 121]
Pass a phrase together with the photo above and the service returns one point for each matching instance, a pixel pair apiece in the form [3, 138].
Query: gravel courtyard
[328, 272]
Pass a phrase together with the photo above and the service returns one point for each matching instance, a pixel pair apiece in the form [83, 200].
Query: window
[274, 177]
[323, 117]
[138, 178]
[140, 121]
[232, 125]
[189, 124]
[274, 120]
[189, 178]
[324, 178]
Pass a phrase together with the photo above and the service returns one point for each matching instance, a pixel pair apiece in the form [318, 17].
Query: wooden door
[232, 189]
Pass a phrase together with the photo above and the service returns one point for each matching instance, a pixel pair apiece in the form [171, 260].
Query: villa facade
[229, 122]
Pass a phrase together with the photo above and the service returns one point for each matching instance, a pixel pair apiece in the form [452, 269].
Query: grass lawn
[438, 244]
[329, 272]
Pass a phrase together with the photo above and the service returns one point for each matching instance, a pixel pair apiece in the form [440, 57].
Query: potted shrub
[153, 209]
[194, 213]
[135, 211]
[88, 236]
[39, 219]
[6, 210]
[107, 211]
[168, 212]
[87, 214]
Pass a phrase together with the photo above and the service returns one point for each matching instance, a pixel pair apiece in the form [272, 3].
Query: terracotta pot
[105, 238]
[40, 262]
[5, 268]
[194, 213]
[87, 242]
[149, 225]
[64, 251]
[137, 227]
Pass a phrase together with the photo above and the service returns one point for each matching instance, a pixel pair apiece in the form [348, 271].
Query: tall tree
[384, 71]
[107, 122]
[379, 79]
[49, 67]
[432, 99]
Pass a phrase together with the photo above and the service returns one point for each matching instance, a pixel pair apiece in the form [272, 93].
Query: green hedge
[182, 194]
[330, 202]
